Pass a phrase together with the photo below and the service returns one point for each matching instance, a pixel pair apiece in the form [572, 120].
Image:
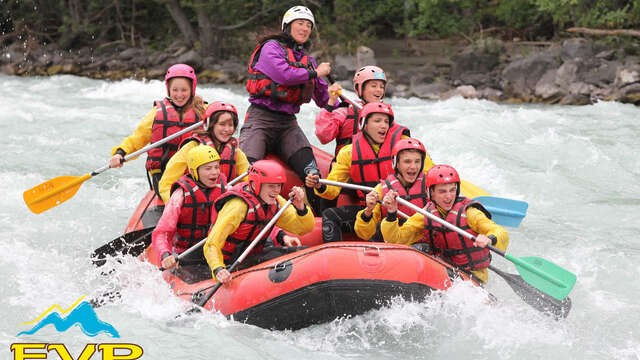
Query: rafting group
[372, 149]
[222, 199]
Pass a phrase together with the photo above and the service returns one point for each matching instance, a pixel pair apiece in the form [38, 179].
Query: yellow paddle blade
[470, 190]
[53, 192]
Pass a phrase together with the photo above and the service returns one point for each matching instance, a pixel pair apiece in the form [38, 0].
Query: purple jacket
[273, 63]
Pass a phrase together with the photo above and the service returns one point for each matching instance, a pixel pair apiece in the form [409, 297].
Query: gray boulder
[521, 76]
[344, 66]
[191, 58]
[627, 75]
[430, 91]
[365, 56]
[576, 48]
[547, 89]
[481, 57]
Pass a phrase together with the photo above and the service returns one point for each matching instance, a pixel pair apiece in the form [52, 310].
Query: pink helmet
[407, 144]
[365, 74]
[442, 174]
[375, 107]
[181, 70]
[266, 172]
[216, 106]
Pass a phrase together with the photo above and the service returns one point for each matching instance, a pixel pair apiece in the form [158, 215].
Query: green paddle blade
[545, 275]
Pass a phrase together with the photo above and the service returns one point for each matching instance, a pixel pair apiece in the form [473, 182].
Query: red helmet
[266, 172]
[365, 74]
[181, 70]
[375, 107]
[442, 174]
[407, 144]
[216, 106]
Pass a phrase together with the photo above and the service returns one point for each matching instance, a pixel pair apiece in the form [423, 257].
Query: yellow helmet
[198, 156]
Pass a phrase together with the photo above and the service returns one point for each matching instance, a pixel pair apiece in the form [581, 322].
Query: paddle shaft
[237, 179]
[201, 242]
[246, 251]
[355, 187]
[83, 178]
[151, 146]
[343, 97]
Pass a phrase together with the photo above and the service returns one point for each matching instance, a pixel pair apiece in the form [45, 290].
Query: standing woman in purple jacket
[282, 76]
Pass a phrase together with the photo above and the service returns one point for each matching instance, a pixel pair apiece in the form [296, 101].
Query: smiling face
[377, 126]
[301, 30]
[409, 166]
[224, 128]
[180, 91]
[209, 173]
[269, 192]
[444, 195]
[373, 91]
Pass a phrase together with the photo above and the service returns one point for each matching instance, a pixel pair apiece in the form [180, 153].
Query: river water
[577, 167]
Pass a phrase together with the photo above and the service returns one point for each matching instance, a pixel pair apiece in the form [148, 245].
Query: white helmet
[298, 12]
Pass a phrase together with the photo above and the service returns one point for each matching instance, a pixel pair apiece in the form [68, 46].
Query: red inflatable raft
[310, 286]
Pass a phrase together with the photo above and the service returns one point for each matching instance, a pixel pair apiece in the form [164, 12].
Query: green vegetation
[225, 28]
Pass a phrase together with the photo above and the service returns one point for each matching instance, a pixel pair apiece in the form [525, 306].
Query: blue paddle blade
[506, 212]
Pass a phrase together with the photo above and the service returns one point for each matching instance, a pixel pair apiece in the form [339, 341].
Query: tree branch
[600, 32]
[249, 20]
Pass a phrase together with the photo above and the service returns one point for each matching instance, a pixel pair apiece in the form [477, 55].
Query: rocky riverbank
[574, 71]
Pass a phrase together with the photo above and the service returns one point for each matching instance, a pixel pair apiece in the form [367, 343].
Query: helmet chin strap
[178, 108]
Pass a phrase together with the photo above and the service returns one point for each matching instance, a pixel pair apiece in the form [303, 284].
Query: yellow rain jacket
[140, 136]
[178, 164]
[233, 214]
[413, 229]
[341, 170]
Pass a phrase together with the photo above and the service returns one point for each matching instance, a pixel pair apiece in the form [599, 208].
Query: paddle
[500, 220]
[54, 192]
[542, 274]
[534, 297]
[505, 212]
[202, 301]
[133, 243]
[531, 295]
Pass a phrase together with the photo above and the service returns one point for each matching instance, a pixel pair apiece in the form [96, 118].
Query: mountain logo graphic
[82, 315]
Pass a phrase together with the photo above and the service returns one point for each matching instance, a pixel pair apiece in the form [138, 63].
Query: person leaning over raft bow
[365, 162]
[246, 209]
[282, 76]
[408, 181]
[180, 109]
[444, 192]
[341, 123]
[219, 124]
[187, 215]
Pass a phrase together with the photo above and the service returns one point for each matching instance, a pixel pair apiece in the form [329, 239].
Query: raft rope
[455, 270]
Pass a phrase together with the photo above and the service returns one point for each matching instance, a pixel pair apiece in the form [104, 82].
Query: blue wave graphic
[83, 315]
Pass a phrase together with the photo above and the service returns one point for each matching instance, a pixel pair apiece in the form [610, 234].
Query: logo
[379, 76]
[82, 315]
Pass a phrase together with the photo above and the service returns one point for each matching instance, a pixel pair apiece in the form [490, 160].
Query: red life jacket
[167, 122]
[367, 167]
[348, 130]
[258, 215]
[417, 194]
[452, 246]
[260, 85]
[195, 215]
[227, 153]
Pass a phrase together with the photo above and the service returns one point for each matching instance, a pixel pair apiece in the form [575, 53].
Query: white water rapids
[577, 167]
